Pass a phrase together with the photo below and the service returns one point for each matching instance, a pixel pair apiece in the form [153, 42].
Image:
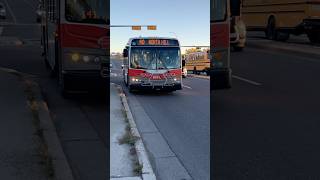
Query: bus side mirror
[125, 53]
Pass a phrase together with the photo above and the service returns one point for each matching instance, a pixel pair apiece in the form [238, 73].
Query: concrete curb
[62, 170]
[199, 76]
[10, 41]
[311, 51]
[147, 171]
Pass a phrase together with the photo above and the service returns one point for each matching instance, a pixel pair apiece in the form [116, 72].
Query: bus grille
[158, 82]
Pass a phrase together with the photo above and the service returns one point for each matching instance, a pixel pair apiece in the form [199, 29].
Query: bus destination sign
[154, 42]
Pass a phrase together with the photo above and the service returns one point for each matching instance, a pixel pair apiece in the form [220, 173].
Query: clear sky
[188, 20]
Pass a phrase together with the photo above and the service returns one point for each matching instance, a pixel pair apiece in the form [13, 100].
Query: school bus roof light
[136, 28]
[152, 27]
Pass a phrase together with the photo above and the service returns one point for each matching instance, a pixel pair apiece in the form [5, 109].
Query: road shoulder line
[285, 48]
[246, 80]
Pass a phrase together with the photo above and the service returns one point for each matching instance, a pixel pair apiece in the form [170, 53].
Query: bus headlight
[135, 79]
[86, 59]
[176, 79]
[76, 58]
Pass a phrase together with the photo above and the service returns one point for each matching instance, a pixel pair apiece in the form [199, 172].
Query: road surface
[182, 118]
[267, 125]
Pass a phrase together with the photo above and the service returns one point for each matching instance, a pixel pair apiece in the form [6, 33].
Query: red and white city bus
[76, 36]
[152, 63]
[220, 45]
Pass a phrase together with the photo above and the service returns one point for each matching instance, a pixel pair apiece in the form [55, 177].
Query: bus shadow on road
[153, 93]
[96, 96]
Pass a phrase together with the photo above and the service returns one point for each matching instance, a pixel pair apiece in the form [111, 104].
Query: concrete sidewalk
[128, 157]
[20, 148]
[121, 161]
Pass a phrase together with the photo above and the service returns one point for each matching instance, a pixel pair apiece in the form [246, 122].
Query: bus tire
[271, 28]
[314, 36]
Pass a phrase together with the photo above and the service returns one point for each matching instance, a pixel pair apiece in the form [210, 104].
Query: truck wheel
[271, 28]
[314, 37]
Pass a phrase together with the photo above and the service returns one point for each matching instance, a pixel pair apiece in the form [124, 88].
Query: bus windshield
[87, 11]
[155, 58]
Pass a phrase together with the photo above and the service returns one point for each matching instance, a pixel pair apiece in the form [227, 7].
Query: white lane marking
[188, 87]
[11, 12]
[246, 80]
[1, 30]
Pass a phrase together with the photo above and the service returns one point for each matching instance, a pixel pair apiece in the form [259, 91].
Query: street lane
[182, 117]
[269, 131]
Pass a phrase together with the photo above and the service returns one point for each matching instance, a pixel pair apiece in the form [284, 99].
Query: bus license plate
[156, 77]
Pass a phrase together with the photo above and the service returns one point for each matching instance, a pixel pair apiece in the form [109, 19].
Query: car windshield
[87, 11]
[155, 58]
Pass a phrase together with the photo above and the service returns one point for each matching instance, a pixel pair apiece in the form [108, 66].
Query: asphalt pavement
[267, 125]
[181, 119]
[21, 155]
[81, 120]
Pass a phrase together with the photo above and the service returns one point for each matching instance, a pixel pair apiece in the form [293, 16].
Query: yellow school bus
[198, 61]
[280, 18]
